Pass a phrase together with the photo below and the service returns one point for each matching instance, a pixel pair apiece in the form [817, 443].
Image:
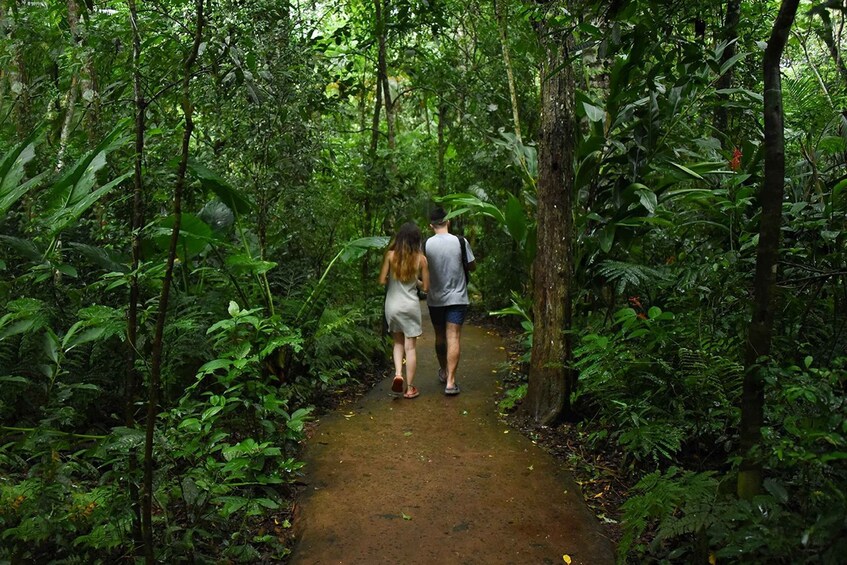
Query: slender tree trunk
[551, 378]
[507, 61]
[730, 34]
[157, 348]
[382, 66]
[137, 222]
[67, 122]
[87, 81]
[71, 95]
[827, 35]
[18, 79]
[442, 147]
[374, 166]
[764, 284]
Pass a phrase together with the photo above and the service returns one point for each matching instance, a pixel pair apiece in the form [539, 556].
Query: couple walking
[440, 270]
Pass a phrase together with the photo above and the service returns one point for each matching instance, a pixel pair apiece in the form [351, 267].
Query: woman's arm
[383, 273]
[424, 274]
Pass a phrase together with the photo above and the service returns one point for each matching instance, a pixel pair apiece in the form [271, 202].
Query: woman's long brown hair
[407, 248]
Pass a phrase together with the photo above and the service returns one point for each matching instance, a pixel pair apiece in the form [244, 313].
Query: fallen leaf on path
[531, 468]
[505, 431]
[566, 558]
[407, 434]
[406, 516]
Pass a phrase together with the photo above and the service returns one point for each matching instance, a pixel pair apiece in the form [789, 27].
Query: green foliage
[512, 398]
[651, 404]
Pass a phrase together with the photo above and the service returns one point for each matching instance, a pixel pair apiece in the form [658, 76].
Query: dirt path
[439, 479]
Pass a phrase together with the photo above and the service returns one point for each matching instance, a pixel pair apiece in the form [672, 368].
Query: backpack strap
[463, 245]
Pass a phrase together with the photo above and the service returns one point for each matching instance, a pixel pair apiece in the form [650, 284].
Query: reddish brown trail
[439, 479]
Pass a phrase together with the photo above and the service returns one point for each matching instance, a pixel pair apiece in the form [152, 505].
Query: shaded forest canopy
[194, 199]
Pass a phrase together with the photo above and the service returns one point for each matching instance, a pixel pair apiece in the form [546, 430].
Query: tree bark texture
[730, 35]
[551, 379]
[764, 284]
[158, 346]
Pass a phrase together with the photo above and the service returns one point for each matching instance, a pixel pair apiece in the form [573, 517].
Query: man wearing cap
[450, 259]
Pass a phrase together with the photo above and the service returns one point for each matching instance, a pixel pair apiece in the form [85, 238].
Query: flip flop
[413, 392]
[452, 391]
[397, 385]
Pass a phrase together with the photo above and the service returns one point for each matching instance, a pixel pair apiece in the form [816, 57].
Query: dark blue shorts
[441, 315]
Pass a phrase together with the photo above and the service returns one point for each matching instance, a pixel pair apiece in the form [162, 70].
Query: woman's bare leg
[398, 352]
[410, 347]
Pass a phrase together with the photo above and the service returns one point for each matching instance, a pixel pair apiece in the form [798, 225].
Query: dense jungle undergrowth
[194, 200]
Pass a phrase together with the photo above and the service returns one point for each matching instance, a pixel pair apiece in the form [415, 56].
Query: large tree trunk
[730, 35]
[158, 345]
[761, 325]
[551, 379]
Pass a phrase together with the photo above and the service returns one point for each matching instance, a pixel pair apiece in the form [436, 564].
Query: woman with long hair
[404, 270]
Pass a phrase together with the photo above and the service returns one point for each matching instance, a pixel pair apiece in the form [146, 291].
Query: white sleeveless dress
[402, 307]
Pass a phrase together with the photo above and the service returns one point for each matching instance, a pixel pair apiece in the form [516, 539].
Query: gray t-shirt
[447, 286]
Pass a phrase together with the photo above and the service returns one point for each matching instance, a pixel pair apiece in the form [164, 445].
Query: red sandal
[412, 392]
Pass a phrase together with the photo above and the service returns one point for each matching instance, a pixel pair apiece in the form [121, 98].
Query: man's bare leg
[454, 335]
[441, 347]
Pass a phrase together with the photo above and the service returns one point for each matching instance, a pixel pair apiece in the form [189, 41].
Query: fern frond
[628, 276]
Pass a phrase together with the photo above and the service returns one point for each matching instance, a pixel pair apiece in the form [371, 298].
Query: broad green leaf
[194, 235]
[607, 237]
[103, 258]
[96, 322]
[210, 180]
[72, 211]
[241, 263]
[24, 315]
[516, 221]
[731, 62]
[776, 489]
[23, 247]
[594, 113]
[13, 168]
[65, 269]
[647, 198]
[358, 247]
[214, 365]
[78, 180]
[687, 171]
[473, 203]
[837, 190]
[8, 198]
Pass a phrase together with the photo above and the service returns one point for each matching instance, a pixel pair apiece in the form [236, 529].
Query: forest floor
[440, 479]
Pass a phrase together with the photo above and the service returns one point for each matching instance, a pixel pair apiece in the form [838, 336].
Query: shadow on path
[439, 479]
